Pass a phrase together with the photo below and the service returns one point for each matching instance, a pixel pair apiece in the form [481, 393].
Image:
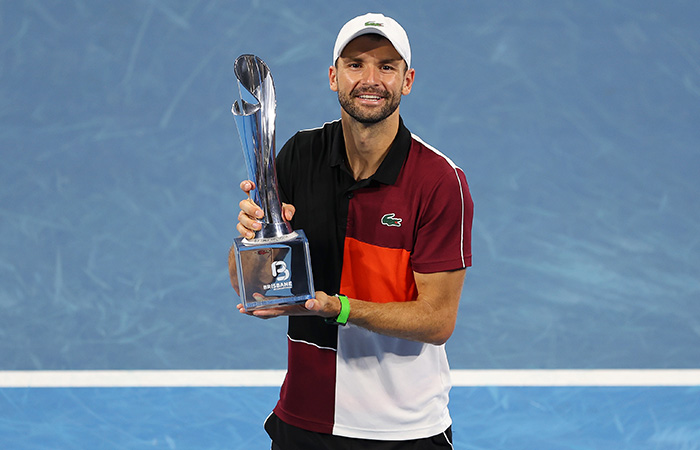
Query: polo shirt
[366, 239]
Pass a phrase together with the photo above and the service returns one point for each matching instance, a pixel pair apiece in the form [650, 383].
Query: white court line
[250, 378]
[140, 378]
[595, 377]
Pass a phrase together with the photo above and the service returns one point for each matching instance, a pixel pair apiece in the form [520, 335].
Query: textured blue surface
[120, 418]
[575, 123]
[230, 418]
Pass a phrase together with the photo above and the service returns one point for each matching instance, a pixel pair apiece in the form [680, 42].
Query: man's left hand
[323, 305]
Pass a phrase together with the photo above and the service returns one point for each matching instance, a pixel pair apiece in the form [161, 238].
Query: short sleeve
[443, 234]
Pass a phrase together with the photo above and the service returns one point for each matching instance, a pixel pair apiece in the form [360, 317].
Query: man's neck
[366, 145]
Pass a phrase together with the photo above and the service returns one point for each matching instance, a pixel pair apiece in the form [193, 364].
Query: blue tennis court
[575, 123]
[230, 418]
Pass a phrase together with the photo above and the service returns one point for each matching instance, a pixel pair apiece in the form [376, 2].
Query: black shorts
[288, 437]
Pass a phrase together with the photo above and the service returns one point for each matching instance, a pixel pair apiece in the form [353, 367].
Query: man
[388, 220]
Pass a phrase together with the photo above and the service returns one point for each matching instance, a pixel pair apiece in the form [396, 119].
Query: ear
[333, 78]
[409, 77]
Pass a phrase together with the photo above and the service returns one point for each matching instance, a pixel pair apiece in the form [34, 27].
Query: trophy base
[272, 240]
[274, 272]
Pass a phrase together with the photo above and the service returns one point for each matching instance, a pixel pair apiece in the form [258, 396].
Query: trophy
[273, 268]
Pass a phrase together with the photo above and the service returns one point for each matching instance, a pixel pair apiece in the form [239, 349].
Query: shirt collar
[389, 169]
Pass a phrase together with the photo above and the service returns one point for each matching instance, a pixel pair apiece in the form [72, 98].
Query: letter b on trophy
[273, 268]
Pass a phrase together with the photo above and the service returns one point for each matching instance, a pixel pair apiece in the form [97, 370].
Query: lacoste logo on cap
[373, 24]
[390, 220]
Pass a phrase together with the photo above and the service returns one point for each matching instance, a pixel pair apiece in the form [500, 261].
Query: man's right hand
[250, 214]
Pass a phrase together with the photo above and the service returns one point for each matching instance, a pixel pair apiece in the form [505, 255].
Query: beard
[368, 115]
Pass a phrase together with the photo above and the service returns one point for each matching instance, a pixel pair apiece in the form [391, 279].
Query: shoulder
[315, 136]
[427, 154]
[432, 167]
[309, 146]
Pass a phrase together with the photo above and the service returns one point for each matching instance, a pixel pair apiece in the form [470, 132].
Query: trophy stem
[256, 128]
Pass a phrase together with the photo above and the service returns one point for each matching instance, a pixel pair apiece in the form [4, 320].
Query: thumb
[289, 211]
[312, 305]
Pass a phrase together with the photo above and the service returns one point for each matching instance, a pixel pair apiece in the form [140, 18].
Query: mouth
[371, 98]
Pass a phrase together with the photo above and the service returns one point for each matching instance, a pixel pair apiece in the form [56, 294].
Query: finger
[288, 210]
[245, 232]
[313, 305]
[249, 207]
[267, 313]
[241, 309]
[247, 186]
[249, 222]
[247, 227]
[288, 310]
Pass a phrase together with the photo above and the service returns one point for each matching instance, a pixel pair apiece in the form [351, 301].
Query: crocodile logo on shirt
[390, 220]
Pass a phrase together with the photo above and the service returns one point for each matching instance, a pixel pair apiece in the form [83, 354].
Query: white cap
[377, 24]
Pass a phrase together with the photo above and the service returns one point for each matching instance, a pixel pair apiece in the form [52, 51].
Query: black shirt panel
[317, 188]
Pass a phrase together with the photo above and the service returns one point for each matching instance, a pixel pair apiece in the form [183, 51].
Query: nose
[371, 75]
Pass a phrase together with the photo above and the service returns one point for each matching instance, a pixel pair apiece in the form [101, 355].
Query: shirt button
[350, 194]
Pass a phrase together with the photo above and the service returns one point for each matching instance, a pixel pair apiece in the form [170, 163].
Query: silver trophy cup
[273, 268]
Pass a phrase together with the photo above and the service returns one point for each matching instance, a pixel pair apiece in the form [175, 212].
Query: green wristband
[342, 318]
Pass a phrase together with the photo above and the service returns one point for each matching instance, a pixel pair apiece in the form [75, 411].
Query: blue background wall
[576, 123]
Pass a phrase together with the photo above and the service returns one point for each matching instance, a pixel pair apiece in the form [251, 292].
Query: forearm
[430, 318]
[415, 320]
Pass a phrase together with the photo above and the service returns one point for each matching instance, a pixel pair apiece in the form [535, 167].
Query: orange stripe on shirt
[376, 274]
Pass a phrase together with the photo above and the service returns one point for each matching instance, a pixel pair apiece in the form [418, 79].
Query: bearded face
[369, 104]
